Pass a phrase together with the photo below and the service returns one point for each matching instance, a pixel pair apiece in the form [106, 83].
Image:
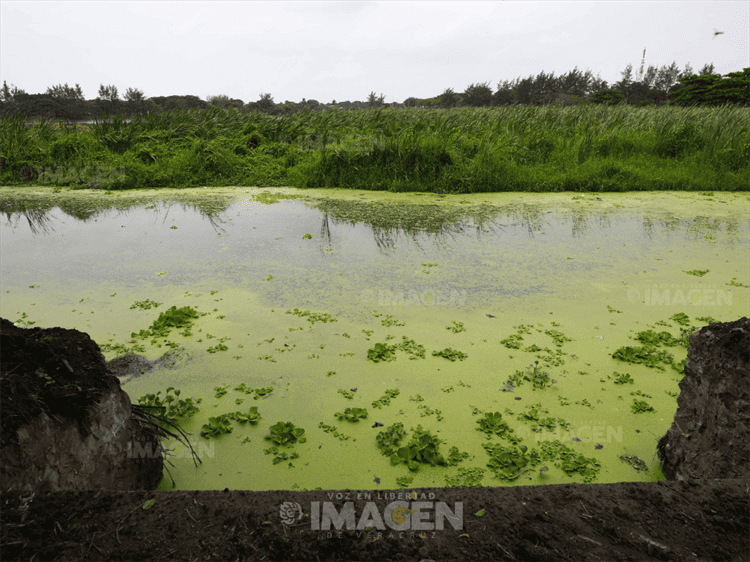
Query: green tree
[478, 95]
[66, 92]
[265, 104]
[373, 100]
[449, 98]
[108, 93]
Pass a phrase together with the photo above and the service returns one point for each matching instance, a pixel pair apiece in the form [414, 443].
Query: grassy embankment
[536, 149]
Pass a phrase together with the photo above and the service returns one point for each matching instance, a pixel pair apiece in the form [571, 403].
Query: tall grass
[512, 148]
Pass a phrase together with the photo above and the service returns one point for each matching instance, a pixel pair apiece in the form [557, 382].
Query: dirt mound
[710, 435]
[66, 423]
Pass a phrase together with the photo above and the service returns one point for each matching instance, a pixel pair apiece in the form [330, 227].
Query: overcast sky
[343, 50]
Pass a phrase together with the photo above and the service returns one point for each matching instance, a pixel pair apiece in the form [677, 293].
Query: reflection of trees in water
[41, 220]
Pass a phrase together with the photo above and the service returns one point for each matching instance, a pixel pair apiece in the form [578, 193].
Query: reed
[582, 147]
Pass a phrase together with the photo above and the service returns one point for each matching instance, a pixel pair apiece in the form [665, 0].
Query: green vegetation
[623, 379]
[352, 414]
[466, 477]
[333, 430]
[251, 416]
[640, 406]
[284, 433]
[493, 424]
[216, 426]
[389, 440]
[172, 318]
[586, 147]
[385, 400]
[508, 463]
[450, 354]
[174, 406]
[145, 305]
[312, 317]
[423, 448]
[382, 352]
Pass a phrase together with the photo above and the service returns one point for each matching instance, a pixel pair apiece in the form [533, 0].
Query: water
[596, 272]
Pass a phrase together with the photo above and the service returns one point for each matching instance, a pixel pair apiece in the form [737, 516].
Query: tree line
[664, 86]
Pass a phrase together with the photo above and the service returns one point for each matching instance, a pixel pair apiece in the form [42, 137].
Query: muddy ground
[690, 520]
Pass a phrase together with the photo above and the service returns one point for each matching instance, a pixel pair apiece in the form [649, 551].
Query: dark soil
[690, 520]
[59, 371]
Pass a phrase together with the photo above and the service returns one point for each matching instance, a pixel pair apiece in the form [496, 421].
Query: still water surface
[572, 278]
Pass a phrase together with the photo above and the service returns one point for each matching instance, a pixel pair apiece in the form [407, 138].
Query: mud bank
[689, 520]
[66, 423]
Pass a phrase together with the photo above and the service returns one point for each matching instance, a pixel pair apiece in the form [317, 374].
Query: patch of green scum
[268, 358]
[382, 352]
[450, 354]
[307, 237]
[313, 317]
[570, 463]
[623, 378]
[417, 398]
[268, 198]
[557, 337]
[456, 328]
[389, 440]
[348, 394]
[640, 406]
[635, 462]
[610, 309]
[467, 477]
[217, 425]
[494, 424]
[423, 448]
[172, 318]
[389, 321]
[352, 414]
[697, 272]
[385, 400]
[447, 389]
[145, 305]
[221, 390]
[333, 430]
[507, 463]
